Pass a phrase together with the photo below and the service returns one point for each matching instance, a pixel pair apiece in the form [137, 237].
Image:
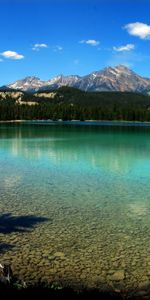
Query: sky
[46, 38]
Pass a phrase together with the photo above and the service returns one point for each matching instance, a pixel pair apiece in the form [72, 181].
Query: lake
[75, 204]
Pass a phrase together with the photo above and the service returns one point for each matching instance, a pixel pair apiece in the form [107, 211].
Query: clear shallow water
[75, 204]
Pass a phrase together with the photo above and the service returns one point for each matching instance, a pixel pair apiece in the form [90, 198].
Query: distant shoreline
[78, 122]
[13, 121]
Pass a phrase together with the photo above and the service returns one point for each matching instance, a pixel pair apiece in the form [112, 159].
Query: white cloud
[127, 47]
[90, 42]
[36, 47]
[40, 45]
[138, 29]
[12, 55]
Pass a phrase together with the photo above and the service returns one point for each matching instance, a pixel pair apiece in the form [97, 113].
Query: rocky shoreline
[11, 285]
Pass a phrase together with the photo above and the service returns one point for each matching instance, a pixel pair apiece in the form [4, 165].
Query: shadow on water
[9, 223]
[19, 224]
[5, 247]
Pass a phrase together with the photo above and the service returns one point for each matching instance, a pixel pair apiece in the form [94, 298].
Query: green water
[75, 204]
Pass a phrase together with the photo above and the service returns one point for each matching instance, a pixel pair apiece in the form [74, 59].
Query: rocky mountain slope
[119, 78]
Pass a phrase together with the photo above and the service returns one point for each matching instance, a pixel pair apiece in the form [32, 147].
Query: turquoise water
[75, 204]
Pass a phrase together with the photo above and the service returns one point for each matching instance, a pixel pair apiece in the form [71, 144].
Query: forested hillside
[70, 103]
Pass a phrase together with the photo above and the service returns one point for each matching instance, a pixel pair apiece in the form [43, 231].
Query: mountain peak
[119, 68]
[31, 78]
[122, 67]
[29, 83]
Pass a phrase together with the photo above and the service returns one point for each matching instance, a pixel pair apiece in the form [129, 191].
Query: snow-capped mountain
[29, 83]
[61, 80]
[119, 78]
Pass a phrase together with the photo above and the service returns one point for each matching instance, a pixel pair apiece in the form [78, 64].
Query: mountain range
[119, 78]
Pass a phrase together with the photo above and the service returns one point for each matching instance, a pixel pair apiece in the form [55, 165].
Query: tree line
[73, 104]
[71, 112]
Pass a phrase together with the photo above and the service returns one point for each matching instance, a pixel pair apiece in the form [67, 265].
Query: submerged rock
[118, 275]
[59, 254]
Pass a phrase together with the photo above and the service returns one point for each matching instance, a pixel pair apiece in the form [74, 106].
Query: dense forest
[73, 104]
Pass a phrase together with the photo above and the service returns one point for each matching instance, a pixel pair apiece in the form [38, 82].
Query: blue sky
[45, 38]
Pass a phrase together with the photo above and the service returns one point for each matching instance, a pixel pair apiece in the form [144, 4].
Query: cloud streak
[37, 47]
[138, 29]
[123, 48]
[90, 42]
[12, 55]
